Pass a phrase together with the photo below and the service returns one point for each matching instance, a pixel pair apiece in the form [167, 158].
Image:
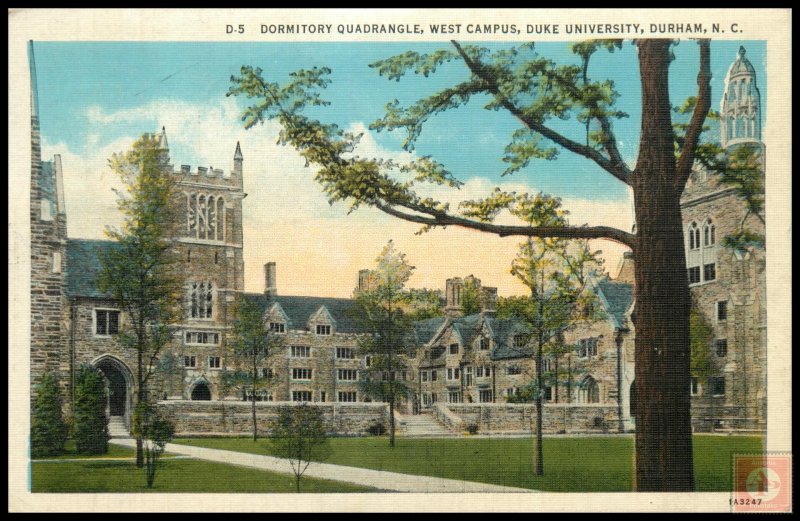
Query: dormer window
[323, 329]
[277, 327]
[453, 349]
[520, 341]
[484, 344]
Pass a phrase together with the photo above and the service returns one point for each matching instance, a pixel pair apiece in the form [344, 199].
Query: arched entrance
[119, 387]
[201, 392]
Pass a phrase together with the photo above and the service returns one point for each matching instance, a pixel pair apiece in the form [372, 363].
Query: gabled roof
[300, 309]
[83, 267]
[617, 297]
[503, 332]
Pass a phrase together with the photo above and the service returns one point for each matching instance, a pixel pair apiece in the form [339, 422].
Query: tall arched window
[201, 217]
[194, 308]
[589, 391]
[220, 219]
[191, 215]
[202, 300]
[212, 217]
[709, 233]
[694, 236]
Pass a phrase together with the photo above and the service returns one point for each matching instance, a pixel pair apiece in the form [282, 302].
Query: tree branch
[686, 160]
[439, 218]
[613, 166]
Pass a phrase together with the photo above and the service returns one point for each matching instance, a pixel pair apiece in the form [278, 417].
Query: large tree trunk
[140, 399]
[663, 418]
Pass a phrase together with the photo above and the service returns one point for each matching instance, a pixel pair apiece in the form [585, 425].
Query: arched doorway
[119, 387]
[201, 392]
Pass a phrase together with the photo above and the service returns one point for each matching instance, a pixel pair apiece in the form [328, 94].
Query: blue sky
[96, 97]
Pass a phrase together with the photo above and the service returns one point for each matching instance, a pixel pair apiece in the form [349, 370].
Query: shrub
[90, 421]
[376, 429]
[48, 429]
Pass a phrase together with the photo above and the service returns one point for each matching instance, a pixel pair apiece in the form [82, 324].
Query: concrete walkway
[390, 481]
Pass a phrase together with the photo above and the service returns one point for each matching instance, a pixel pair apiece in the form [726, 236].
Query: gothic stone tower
[48, 224]
[728, 286]
[210, 247]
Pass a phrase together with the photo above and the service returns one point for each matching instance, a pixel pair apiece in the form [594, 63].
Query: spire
[162, 139]
[34, 86]
[237, 156]
[741, 103]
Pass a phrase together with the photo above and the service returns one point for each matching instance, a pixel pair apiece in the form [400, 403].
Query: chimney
[453, 289]
[626, 271]
[270, 285]
[488, 301]
[364, 279]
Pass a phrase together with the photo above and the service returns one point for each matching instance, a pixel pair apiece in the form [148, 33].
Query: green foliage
[299, 434]
[526, 394]
[48, 430]
[157, 431]
[701, 336]
[89, 414]
[470, 297]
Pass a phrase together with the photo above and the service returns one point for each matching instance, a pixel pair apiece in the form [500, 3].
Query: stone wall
[576, 418]
[227, 417]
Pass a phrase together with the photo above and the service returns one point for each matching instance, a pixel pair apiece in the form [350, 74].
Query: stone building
[462, 368]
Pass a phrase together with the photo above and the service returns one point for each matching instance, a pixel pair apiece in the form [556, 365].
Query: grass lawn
[114, 451]
[175, 475]
[589, 463]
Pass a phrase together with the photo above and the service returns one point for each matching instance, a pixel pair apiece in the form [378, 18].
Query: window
[709, 272]
[347, 375]
[546, 365]
[694, 386]
[367, 361]
[262, 395]
[347, 396]
[205, 217]
[301, 374]
[453, 373]
[722, 310]
[267, 373]
[202, 300]
[513, 370]
[277, 327]
[345, 353]
[301, 396]
[423, 376]
[323, 329]
[189, 361]
[589, 391]
[520, 340]
[485, 396]
[453, 349]
[483, 371]
[709, 233]
[454, 397]
[717, 384]
[106, 322]
[300, 351]
[202, 337]
[548, 394]
[587, 347]
[213, 362]
[484, 344]
[694, 236]
[694, 275]
[433, 375]
[721, 347]
[468, 376]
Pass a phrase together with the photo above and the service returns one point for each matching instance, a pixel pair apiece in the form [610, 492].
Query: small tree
[701, 336]
[556, 272]
[141, 273]
[157, 431]
[252, 345]
[299, 435]
[384, 308]
[48, 430]
[91, 423]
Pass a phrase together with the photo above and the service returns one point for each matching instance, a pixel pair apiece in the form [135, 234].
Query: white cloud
[318, 247]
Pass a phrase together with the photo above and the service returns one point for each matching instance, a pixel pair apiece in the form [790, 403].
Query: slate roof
[618, 297]
[83, 267]
[299, 309]
[424, 330]
[502, 335]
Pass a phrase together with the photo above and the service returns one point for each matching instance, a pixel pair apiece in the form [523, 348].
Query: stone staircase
[116, 427]
[423, 425]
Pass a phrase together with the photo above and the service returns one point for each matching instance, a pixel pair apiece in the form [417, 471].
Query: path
[390, 481]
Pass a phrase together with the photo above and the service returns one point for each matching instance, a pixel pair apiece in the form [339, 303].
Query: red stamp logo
[762, 483]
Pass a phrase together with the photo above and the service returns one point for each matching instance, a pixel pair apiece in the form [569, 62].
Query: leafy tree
[299, 435]
[702, 336]
[384, 309]
[540, 94]
[89, 414]
[156, 432]
[48, 430]
[142, 273]
[470, 297]
[556, 272]
[252, 344]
